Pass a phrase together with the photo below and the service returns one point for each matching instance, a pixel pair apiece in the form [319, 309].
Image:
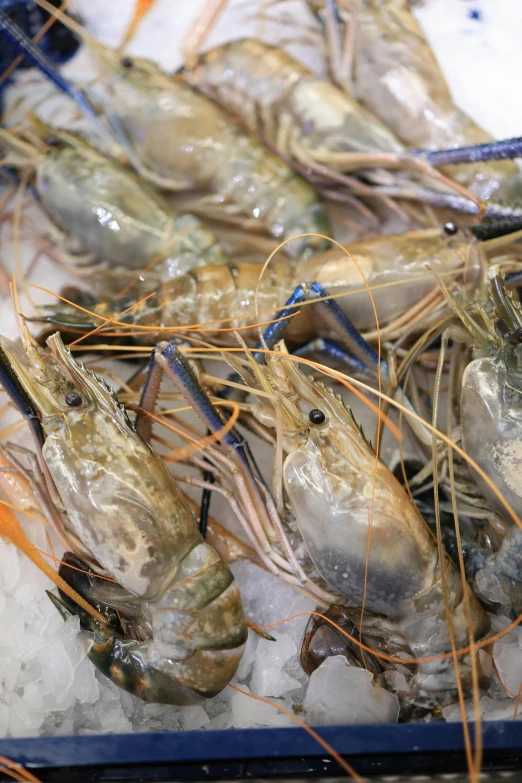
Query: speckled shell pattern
[125, 506]
[211, 294]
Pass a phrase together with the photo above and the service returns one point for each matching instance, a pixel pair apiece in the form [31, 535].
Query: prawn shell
[394, 267]
[109, 215]
[397, 76]
[334, 512]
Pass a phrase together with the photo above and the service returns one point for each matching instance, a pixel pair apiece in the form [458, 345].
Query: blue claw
[333, 317]
[507, 149]
[13, 388]
[339, 322]
[11, 31]
[335, 353]
[274, 332]
[172, 361]
[57, 43]
[513, 280]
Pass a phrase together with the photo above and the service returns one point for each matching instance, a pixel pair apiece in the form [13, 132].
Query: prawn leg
[491, 210]
[506, 149]
[167, 358]
[196, 36]
[332, 315]
[333, 352]
[173, 363]
[206, 497]
[340, 43]
[149, 396]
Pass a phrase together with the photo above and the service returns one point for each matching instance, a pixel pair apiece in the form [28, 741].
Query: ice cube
[221, 721]
[24, 595]
[247, 712]
[396, 681]
[64, 729]
[10, 566]
[4, 719]
[499, 709]
[23, 721]
[76, 643]
[507, 654]
[490, 709]
[30, 644]
[115, 721]
[269, 600]
[57, 670]
[12, 674]
[268, 677]
[488, 588]
[194, 717]
[32, 697]
[85, 687]
[342, 694]
[249, 656]
[13, 619]
[453, 713]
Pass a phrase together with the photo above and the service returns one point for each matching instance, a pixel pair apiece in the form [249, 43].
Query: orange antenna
[17, 772]
[11, 530]
[141, 8]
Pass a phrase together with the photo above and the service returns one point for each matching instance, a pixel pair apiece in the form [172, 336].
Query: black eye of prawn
[316, 416]
[73, 399]
[126, 62]
[450, 229]
[518, 335]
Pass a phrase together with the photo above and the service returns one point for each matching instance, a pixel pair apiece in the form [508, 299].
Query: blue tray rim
[267, 743]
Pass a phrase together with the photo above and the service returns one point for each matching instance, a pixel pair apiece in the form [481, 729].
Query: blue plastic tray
[405, 750]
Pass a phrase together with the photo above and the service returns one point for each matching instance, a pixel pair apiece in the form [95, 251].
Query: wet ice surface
[47, 684]
[342, 694]
[49, 687]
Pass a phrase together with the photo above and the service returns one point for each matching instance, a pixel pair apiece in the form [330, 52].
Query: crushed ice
[48, 686]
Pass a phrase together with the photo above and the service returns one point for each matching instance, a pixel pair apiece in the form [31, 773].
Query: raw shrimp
[307, 119]
[396, 75]
[335, 488]
[120, 501]
[182, 142]
[491, 413]
[112, 223]
[212, 294]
